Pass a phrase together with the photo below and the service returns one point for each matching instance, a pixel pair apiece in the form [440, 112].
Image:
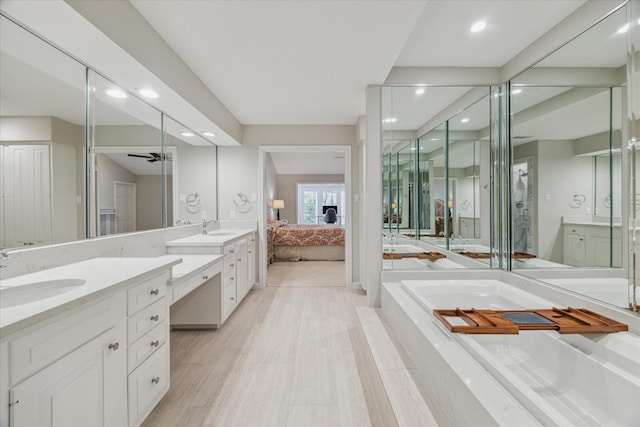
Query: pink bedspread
[308, 235]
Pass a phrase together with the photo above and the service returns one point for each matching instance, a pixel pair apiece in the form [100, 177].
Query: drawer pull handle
[155, 380]
[114, 346]
[155, 343]
[250, 252]
[580, 240]
[231, 265]
[239, 259]
[232, 251]
[155, 317]
[155, 292]
[232, 278]
[233, 298]
[205, 277]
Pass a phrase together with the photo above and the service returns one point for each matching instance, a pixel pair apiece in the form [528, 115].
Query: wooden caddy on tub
[564, 320]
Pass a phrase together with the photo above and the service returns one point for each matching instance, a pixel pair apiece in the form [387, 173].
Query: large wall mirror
[132, 169]
[42, 123]
[435, 166]
[568, 198]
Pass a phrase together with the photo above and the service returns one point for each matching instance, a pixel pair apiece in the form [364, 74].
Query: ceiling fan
[152, 157]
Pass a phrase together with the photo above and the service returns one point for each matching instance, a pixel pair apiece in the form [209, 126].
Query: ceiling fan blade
[139, 155]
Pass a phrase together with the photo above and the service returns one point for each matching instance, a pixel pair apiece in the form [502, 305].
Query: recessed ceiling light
[115, 92]
[478, 26]
[390, 120]
[434, 139]
[420, 91]
[207, 133]
[623, 29]
[516, 91]
[147, 93]
[187, 133]
[465, 120]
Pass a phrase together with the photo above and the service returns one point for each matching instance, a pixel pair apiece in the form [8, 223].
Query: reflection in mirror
[422, 198]
[128, 160]
[42, 111]
[195, 178]
[566, 175]
[468, 141]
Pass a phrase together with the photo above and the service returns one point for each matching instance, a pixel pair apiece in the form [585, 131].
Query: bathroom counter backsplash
[89, 279]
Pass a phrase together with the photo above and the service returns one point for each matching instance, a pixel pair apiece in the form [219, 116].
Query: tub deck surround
[102, 276]
[459, 389]
[580, 379]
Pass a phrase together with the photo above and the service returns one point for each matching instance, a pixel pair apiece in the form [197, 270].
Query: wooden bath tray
[564, 320]
[477, 255]
[523, 255]
[420, 255]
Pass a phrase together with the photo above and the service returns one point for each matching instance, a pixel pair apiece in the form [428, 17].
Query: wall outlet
[547, 197]
[183, 198]
[232, 214]
[78, 199]
[254, 198]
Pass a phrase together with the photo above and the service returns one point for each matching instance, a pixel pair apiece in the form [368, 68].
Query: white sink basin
[36, 291]
[221, 233]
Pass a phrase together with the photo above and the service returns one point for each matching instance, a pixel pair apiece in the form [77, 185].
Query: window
[313, 197]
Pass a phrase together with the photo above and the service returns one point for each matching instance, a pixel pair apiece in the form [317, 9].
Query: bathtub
[570, 379]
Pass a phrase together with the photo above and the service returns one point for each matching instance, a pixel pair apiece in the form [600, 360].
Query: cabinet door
[251, 266]
[85, 388]
[242, 276]
[575, 250]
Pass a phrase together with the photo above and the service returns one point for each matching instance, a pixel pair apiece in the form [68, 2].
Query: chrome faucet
[204, 224]
[182, 222]
[4, 255]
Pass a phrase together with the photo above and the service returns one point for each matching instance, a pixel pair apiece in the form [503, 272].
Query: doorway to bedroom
[305, 215]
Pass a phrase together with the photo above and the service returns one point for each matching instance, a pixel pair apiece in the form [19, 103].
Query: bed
[307, 242]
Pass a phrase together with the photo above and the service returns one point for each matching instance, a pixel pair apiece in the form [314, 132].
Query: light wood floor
[288, 356]
[307, 273]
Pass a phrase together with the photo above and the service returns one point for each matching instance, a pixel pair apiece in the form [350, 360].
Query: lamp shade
[277, 204]
[450, 204]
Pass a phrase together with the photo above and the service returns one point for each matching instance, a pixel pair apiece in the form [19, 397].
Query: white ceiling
[139, 165]
[288, 62]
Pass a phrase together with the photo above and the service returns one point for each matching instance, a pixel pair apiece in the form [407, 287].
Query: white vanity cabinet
[148, 351]
[251, 262]
[72, 371]
[587, 245]
[220, 297]
[98, 359]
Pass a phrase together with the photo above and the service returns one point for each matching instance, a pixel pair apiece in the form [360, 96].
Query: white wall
[149, 201]
[270, 184]
[287, 190]
[109, 172]
[558, 174]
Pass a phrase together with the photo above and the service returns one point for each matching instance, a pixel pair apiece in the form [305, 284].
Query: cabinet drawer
[229, 265]
[229, 250]
[241, 245]
[145, 320]
[195, 281]
[147, 384]
[574, 229]
[146, 345]
[31, 352]
[145, 293]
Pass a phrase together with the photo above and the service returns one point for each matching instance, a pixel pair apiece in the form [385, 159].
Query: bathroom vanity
[99, 343]
[217, 295]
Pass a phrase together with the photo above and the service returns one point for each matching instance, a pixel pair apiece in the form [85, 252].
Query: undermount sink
[36, 291]
[221, 233]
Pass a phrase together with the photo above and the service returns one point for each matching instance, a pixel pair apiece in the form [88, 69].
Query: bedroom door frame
[262, 201]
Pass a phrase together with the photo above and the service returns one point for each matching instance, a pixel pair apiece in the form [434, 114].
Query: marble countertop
[101, 276]
[213, 238]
